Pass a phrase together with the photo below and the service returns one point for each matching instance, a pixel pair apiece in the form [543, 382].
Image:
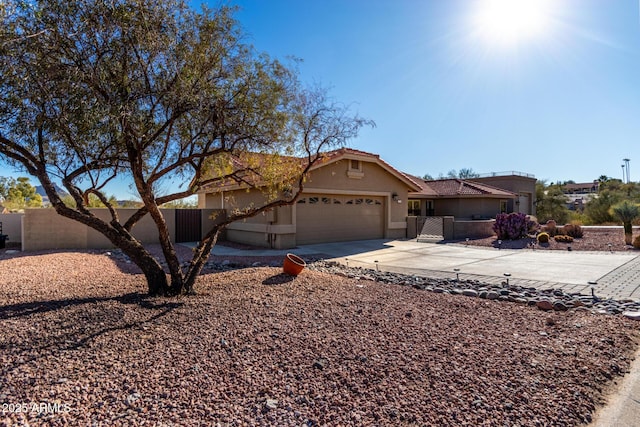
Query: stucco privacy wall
[45, 229]
[454, 228]
[11, 226]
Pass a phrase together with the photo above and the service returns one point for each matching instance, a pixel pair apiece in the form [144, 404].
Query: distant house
[578, 195]
[355, 195]
[581, 188]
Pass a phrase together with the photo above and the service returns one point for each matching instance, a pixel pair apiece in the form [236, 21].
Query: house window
[430, 208]
[503, 206]
[355, 169]
[413, 207]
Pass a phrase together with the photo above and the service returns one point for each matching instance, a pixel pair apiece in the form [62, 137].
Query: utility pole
[626, 164]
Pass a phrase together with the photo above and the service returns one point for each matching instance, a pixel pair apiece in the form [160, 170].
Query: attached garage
[348, 195]
[326, 218]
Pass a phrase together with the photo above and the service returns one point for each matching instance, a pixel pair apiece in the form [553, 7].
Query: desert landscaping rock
[544, 304]
[634, 315]
[545, 299]
[243, 351]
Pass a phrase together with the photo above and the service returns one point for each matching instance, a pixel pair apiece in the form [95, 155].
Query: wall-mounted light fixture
[395, 198]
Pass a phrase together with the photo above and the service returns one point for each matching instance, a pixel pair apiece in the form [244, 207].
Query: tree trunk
[157, 284]
[628, 233]
[200, 256]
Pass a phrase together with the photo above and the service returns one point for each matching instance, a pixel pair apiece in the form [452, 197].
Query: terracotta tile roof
[455, 187]
[425, 189]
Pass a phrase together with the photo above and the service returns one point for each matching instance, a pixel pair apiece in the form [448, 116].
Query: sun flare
[512, 21]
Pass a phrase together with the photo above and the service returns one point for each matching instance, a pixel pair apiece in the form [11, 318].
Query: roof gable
[350, 153]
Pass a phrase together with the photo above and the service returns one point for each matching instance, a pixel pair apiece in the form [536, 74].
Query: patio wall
[473, 229]
[454, 229]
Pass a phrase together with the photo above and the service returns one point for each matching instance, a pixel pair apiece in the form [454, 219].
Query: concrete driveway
[617, 274]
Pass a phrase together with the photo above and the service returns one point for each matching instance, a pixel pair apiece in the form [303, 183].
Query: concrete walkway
[617, 276]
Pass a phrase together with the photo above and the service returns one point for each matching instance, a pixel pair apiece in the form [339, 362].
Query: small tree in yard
[92, 90]
[626, 212]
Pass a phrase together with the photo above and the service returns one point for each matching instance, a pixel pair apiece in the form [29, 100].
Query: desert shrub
[636, 242]
[579, 218]
[543, 237]
[512, 226]
[563, 238]
[573, 230]
[550, 228]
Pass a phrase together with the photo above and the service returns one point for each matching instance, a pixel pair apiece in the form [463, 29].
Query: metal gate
[432, 229]
[188, 225]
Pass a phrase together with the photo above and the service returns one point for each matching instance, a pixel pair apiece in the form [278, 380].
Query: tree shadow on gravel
[30, 308]
[72, 324]
[278, 279]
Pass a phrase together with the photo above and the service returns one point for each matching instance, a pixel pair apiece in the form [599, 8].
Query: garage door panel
[332, 219]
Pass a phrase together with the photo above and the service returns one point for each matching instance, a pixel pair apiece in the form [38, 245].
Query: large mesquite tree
[157, 92]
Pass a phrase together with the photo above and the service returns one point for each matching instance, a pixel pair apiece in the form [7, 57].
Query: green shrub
[573, 230]
[543, 237]
[636, 242]
[563, 238]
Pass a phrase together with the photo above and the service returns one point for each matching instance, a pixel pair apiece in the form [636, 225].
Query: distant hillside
[45, 198]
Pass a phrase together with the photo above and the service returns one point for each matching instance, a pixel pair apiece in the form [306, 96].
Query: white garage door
[322, 218]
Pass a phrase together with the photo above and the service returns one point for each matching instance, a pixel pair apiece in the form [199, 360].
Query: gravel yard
[82, 345]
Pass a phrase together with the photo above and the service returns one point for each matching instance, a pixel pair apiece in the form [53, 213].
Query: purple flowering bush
[513, 226]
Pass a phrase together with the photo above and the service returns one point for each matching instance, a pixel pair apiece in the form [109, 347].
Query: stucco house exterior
[352, 195]
[355, 195]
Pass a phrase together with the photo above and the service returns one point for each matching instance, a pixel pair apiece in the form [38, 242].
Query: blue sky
[447, 90]
[457, 84]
